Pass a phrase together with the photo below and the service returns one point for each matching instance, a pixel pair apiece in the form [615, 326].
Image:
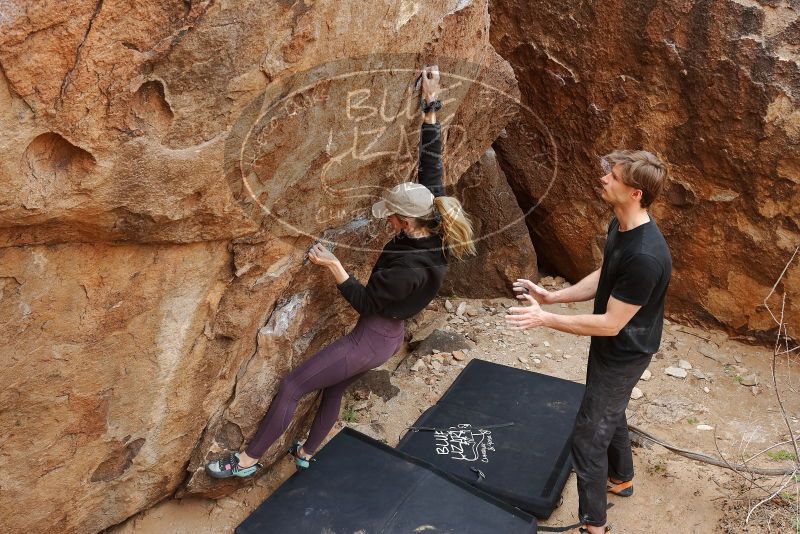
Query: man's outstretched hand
[522, 318]
[542, 296]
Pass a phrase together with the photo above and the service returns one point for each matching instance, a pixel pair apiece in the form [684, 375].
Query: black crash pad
[525, 464]
[359, 485]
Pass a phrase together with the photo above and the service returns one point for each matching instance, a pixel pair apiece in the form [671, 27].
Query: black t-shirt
[637, 266]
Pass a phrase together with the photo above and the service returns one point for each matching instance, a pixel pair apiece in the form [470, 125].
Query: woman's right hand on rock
[322, 256]
[542, 296]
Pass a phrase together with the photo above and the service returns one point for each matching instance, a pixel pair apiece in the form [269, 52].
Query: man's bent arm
[580, 292]
[618, 314]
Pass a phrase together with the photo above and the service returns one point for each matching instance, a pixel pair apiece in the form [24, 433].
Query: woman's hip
[376, 339]
[384, 326]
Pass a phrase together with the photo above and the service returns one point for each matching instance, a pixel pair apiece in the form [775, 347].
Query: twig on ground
[766, 450]
[772, 496]
[701, 457]
[789, 351]
[751, 480]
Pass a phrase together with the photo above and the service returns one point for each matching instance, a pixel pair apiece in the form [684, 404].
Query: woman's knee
[333, 394]
[288, 389]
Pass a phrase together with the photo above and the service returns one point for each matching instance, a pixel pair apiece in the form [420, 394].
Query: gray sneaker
[229, 467]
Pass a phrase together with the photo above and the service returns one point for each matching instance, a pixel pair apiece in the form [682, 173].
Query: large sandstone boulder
[164, 171]
[505, 251]
[714, 87]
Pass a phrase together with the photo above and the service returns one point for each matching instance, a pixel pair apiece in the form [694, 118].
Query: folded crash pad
[504, 430]
[359, 485]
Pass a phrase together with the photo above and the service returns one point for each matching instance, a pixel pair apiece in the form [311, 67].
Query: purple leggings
[373, 341]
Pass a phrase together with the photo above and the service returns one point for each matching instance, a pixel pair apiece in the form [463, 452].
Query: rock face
[714, 88]
[505, 251]
[105, 376]
[164, 170]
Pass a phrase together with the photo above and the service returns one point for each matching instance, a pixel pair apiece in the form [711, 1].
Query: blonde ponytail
[456, 227]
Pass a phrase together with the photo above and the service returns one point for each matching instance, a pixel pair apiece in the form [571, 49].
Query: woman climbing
[429, 228]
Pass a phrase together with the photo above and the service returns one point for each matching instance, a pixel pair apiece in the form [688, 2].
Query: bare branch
[766, 450]
[772, 496]
[751, 480]
[782, 327]
[778, 281]
[701, 457]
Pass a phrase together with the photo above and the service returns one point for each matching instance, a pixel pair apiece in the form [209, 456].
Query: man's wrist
[546, 318]
[557, 297]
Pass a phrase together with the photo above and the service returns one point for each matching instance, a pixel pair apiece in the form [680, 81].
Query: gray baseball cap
[408, 199]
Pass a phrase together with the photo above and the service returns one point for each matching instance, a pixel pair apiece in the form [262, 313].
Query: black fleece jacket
[409, 271]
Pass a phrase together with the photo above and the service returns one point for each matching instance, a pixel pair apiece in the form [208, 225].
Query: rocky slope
[165, 169]
[711, 408]
[714, 87]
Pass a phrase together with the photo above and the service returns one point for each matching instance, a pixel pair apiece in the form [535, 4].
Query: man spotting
[629, 291]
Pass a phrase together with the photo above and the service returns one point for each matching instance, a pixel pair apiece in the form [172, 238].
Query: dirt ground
[673, 493]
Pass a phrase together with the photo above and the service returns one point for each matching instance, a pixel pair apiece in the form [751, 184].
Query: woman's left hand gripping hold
[322, 256]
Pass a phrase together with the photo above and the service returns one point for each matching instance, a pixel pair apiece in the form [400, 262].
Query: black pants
[601, 447]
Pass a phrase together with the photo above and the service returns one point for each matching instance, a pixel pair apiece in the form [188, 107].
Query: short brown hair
[641, 170]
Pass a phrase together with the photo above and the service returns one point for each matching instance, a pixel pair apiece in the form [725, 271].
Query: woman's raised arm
[430, 170]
